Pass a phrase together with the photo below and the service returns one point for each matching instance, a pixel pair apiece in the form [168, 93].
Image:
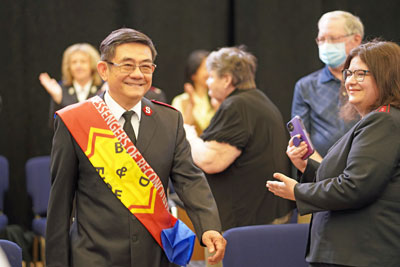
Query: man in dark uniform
[104, 232]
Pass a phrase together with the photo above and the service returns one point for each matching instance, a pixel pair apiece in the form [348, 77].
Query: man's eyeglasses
[145, 68]
[359, 75]
[330, 39]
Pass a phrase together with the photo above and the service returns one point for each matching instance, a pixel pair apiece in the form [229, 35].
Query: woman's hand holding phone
[296, 153]
[300, 146]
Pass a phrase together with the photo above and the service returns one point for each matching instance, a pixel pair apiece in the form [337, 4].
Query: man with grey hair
[316, 96]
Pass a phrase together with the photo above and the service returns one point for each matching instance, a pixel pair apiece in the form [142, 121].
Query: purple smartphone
[295, 127]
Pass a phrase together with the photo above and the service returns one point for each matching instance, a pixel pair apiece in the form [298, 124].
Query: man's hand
[215, 243]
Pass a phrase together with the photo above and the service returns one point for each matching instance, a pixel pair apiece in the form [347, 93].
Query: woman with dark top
[354, 194]
[244, 143]
[80, 79]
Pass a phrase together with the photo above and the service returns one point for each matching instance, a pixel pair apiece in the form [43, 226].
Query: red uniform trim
[384, 109]
[163, 104]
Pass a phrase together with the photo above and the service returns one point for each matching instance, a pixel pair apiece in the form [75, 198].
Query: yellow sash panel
[120, 172]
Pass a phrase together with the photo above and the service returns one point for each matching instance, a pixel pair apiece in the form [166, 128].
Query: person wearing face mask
[317, 98]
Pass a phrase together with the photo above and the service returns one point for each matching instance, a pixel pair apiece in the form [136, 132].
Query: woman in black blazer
[354, 194]
[80, 79]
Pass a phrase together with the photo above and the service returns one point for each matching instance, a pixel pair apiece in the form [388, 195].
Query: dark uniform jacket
[355, 200]
[69, 97]
[104, 232]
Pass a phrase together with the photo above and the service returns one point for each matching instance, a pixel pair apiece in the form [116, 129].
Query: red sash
[128, 175]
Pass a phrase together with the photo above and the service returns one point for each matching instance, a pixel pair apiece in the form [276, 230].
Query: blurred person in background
[316, 96]
[194, 103]
[80, 79]
[245, 141]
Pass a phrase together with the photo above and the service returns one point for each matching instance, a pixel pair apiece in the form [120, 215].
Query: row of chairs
[38, 187]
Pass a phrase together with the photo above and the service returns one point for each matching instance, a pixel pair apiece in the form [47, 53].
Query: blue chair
[280, 245]
[38, 186]
[4, 182]
[13, 252]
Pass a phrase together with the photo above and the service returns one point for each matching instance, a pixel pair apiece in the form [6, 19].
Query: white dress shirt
[117, 111]
[82, 92]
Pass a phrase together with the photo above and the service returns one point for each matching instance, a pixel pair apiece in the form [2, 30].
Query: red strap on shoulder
[384, 109]
[163, 104]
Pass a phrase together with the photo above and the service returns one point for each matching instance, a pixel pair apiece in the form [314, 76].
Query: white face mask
[332, 55]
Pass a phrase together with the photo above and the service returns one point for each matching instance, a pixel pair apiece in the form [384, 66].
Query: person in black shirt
[244, 143]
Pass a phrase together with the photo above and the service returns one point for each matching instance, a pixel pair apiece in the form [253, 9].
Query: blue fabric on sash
[178, 243]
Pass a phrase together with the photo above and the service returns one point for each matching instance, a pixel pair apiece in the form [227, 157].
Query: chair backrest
[281, 245]
[37, 171]
[13, 252]
[4, 179]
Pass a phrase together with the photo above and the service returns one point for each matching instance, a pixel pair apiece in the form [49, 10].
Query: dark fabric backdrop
[35, 33]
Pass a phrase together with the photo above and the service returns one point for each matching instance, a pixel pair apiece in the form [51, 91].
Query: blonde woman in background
[80, 79]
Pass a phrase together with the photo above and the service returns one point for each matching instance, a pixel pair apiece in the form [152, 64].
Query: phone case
[295, 126]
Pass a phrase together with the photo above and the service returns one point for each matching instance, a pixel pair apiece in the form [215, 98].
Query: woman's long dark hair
[193, 63]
